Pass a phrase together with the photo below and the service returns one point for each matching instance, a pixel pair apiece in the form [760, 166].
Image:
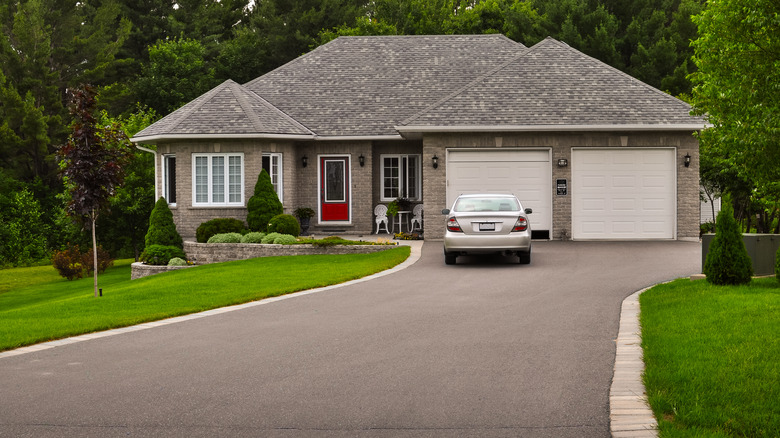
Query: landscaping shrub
[263, 205]
[284, 224]
[162, 230]
[270, 237]
[218, 226]
[225, 238]
[727, 262]
[252, 237]
[176, 261]
[161, 254]
[69, 262]
[285, 239]
[104, 261]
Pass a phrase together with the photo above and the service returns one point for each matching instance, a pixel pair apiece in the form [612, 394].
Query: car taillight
[453, 225]
[521, 224]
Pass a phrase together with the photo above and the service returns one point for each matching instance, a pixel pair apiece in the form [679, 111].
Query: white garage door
[623, 193]
[524, 173]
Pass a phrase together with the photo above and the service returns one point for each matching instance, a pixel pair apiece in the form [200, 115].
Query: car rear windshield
[486, 204]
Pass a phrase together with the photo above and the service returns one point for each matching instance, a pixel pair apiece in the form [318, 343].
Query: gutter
[549, 128]
[156, 197]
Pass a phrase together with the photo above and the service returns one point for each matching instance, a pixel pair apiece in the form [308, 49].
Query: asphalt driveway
[485, 348]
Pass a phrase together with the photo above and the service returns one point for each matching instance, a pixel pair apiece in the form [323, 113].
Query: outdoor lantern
[304, 161]
[435, 162]
[362, 160]
[687, 160]
[563, 162]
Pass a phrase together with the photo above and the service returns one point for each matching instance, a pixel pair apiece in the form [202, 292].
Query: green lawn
[712, 356]
[37, 305]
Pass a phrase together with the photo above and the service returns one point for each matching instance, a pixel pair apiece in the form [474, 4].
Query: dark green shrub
[69, 262]
[284, 224]
[162, 230]
[218, 226]
[263, 205]
[252, 237]
[727, 261]
[225, 238]
[161, 254]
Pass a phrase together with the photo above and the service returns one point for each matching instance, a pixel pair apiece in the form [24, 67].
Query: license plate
[487, 226]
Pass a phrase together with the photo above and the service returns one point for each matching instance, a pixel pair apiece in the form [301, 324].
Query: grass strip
[712, 356]
[59, 308]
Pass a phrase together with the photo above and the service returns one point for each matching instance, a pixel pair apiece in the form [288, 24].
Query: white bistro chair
[380, 211]
[417, 218]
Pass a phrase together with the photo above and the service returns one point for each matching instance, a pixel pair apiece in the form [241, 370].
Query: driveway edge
[414, 256]
[629, 413]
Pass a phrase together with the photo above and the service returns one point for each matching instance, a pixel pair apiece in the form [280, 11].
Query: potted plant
[304, 215]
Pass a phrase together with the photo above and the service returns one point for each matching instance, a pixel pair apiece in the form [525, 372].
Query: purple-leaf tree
[92, 162]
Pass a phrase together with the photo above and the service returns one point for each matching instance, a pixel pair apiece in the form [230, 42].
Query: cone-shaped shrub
[162, 230]
[263, 205]
[728, 262]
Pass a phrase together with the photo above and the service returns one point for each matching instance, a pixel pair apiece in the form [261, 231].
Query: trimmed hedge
[285, 239]
[218, 226]
[253, 237]
[225, 238]
[161, 254]
[270, 237]
[284, 224]
[162, 230]
[176, 261]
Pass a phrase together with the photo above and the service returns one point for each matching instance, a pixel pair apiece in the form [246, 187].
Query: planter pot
[304, 225]
[760, 247]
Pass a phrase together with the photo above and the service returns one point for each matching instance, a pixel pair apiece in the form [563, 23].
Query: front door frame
[321, 160]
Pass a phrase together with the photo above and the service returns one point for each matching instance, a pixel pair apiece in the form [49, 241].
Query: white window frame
[166, 187]
[276, 160]
[210, 182]
[403, 182]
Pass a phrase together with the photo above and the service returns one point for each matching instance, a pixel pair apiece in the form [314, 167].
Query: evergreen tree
[162, 230]
[727, 261]
[263, 205]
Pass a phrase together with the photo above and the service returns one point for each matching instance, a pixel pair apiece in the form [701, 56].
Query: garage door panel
[623, 193]
[526, 174]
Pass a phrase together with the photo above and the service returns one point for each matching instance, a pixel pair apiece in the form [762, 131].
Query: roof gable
[553, 85]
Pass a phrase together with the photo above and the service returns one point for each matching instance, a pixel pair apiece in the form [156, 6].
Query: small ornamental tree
[162, 230]
[728, 262]
[263, 205]
[92, 162]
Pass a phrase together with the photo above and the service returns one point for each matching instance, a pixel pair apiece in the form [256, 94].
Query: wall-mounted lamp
[563, 162]
[687, 161]
[304, 161]
[435, 162]
[362, 160]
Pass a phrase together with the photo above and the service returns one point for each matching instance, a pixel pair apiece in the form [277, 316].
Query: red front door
[334, 189]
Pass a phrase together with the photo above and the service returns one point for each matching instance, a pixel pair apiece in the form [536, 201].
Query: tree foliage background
[148, 57]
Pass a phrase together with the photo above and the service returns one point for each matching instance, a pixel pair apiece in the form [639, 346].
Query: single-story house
[361, 121]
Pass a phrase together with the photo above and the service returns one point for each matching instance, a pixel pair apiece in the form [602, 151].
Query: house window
[218, 179]
[169, 178]
[272, 163]
[400, 177]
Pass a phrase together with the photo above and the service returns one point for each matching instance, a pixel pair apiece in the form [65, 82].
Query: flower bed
[204, 253]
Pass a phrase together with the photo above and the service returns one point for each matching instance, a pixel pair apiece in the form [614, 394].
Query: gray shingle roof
[227, 109]
[366, 85]
[556, 85]
[380, 86]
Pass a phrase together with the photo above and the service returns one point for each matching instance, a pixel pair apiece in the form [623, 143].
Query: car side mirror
[528, 211]
[445, 211]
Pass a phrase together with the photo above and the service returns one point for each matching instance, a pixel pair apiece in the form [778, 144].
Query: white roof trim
[155, 138]
[547, 128]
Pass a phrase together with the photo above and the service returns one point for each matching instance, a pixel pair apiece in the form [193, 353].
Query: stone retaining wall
[205, 253]
[140, 270]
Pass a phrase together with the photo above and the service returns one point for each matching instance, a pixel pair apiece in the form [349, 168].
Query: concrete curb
[630, 415]
[415, 254]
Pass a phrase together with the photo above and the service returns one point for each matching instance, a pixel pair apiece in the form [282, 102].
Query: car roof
[491, 195]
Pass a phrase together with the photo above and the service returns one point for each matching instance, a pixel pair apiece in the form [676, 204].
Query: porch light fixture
[362, 160]
[563, 162]
[435, 162]
[687, 161]
[304, 161]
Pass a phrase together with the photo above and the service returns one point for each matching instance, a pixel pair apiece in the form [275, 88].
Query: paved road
[485, 348]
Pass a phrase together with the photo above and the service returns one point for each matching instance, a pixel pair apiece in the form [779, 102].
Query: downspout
[156, 196]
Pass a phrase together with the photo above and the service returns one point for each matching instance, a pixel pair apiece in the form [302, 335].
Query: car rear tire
[525, 257]
[449, 259]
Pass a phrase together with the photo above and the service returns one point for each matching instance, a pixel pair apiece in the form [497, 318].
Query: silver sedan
[487, 224]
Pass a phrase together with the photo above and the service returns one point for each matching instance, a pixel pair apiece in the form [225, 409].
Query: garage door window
[400, 177]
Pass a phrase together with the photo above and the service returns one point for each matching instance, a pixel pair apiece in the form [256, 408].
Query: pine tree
[263, 205]
[728, 262]
[162, 230]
